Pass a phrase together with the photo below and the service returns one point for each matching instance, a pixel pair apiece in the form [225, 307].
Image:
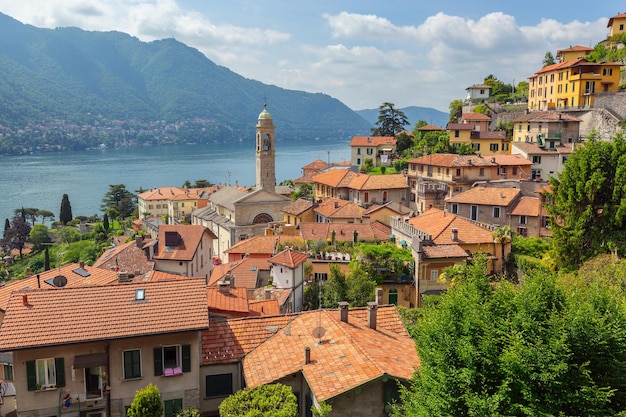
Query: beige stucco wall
[209, 406]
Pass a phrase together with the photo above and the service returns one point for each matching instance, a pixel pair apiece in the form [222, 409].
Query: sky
[361, 52]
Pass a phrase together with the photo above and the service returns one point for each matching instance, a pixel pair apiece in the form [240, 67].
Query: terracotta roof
[511, 160]
[378, 182]
[189, 237]
[617, 16]
[390, 205]
[486, 196]
[439, 225]
[73, 315]
[349, 355]
[255, 244]
[161, 193]
[297, 207]
[443, 251]
[546, 116]
[233, 300]
[372, 140]
[281, 295]
[289, 258]
[333, 177]
[527, 206]
[165, 276]
[316, 165]
[574, 49]
[128, 256]
[264, 307]
[460, 126]
[344, 231]
[246, 271]
[475, 116]
[74, 274]
[452, 160]
[488, 135]
[430, 128]
[339, 209]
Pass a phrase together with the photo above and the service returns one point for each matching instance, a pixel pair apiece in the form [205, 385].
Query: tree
[69, 234]
[39, 235]
[456, 110]
[360, 288]
[272, 400]
[548, 59]
[549, 346]
[587, 203]
[305, 190]
[119, 198]
[503, 236]
[29, 214]
[7, 226]
[403, 142]
[17, 235]
[368, 165]
[391, 121]
[105, 222]
[323, 409]
[45, 214]
[65, 214]
[147, 403]
[335, 289]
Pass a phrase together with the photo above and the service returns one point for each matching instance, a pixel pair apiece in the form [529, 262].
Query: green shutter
[172, 407]
[158, 361]
[59, 366]
[186, 357]
[31, 375]
[128, 365]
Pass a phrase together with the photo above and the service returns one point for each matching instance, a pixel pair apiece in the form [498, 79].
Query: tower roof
[265, 114]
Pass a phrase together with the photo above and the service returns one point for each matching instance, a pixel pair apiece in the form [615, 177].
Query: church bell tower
[265, 155]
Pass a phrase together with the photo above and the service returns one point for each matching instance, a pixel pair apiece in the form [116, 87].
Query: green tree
[272, 400]
[39, 235]
[548, 59]
[147, 403]
[29, 213]
[119, 198]
[456, 110]
[588, 203]
[335, 289]
[360, 287]
[202, 184]
[105, 222]
[323, 409]
[7, 226]
[304, 190]
[391, 121]
[17, 235]
[65, 214]
[503, 235]
[68, 234]
[403, 142]
[45, 214]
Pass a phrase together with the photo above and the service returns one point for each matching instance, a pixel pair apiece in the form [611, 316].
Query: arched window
[262, 218]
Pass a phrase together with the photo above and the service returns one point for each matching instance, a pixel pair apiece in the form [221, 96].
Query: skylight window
[140, 294]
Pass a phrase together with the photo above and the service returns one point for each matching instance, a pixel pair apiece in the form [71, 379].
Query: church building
[233, 214]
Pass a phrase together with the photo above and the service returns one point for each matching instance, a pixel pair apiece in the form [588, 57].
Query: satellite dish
[319, 332]
[59, 281]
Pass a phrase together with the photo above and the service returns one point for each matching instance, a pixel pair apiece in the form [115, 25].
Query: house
[527, 218]
[573, 53]
[318, 166]
[298, 211]
[333, 210]
[134, 257]
[259, 247]
[85, 351]
[513, 167]
[227, 300]
[473, 130]
[439, 239]
[377, 148]
[571, 84]
[288, 274]
[184, 249]
[248, 272]
[332, 184]
[383, 213]
[344, 232]
[617, 24]
[478, 93]
[365, 189]
[155, 202]
[488, 205]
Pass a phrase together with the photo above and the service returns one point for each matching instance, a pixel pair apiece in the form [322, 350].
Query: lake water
[40, 180]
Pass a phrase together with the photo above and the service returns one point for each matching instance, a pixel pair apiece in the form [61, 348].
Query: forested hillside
[69, 88]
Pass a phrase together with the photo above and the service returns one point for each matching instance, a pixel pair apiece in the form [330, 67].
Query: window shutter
[59, 367]
[31, 376]
[186, 358]
[158, 361]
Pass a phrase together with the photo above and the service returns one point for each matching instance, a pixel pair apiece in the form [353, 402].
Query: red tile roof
[372, 140]
[255, 244]
[334, 177]
[245, 271]
[349, 355]
[439, 225]
[527, 206]
[452, 160]
[264, 307]
[443, 251]
[73, 315]
[231, 300]
[189, 241]
[366, 182]
[73, 274]
[297, 207]
[487, 196]
[289, 258]
[430, 128]
[344, 231]
[475, 116]
[511, 160]
[161, 193]
[127, 257]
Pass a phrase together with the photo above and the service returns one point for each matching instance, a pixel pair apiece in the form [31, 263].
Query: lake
[40, 180]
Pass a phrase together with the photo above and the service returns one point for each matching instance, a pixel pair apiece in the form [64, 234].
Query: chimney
[343, 311]
[371, 314]
[139, 241]
[455, 234]
[232, 281]
[268, 294]
[82, 264]
[379, 296]
[122, 276]
[336, 204]
[25, 299]
[27, 271]
[307, 355]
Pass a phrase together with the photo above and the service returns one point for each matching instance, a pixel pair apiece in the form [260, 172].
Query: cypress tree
[65, 215]
[7, 226]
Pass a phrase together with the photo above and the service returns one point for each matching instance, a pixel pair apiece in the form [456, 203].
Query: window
[8, 372]
[93, 382]
[366, 197]
[519, 127]
[514, 170]
[358, 151]
[458, 172]
[132, 363]
[434, 274]
[45, 373]
[393, 296]
[358, 161]
[536, 159]
[219, 385]
[454, 208]
[607, 71]
[456, 133]
[370, 151]
[172, 407]
[493, 147]
[481, 172]
[523, 219]
[496, 212]
[172, 360]
[522, 231]
[474, 213]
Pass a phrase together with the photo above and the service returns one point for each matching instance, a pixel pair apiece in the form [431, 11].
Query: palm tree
[502, 235]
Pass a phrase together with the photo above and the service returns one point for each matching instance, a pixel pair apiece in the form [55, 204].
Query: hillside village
[208, 297]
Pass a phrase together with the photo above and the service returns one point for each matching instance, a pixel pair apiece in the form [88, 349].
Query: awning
[89, 361]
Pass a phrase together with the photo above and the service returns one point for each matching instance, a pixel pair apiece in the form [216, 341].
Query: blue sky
[362, 52]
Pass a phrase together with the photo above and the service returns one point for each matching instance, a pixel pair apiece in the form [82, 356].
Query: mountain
[413, 114]
[144, 92]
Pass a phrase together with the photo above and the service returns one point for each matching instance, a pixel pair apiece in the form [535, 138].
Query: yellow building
[617, 24]
[571, 84]
[573, 53]
[473, 129]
